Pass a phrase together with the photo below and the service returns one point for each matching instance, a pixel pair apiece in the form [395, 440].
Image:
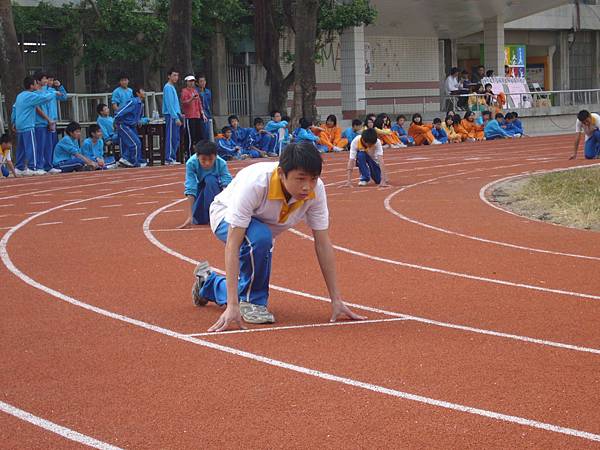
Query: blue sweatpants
[407, 140]
[255, 267]
[492, 137]
[41, 141]
[108, 160]
[70, 165]
[25, 150]
[51, 141]
[131, 146]
[368, 167]
[592, 146]
[208, 189]
[172, 136]
[207, 130]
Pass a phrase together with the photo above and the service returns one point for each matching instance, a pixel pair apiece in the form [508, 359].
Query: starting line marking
[74, 209]
[6, 206]
[55, 428]
[94, 218]
[147, 203]
[183, 229]
[43, 224]
[110, 206]
[134, 214]
[297, 327]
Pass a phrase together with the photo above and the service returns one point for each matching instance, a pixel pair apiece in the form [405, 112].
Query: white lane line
[300, 327]
[5, 215]
[43, 224]
[274, 362]
[73, 192]
[31, 213]
[172, 211]
[165, 192]
[390, 209]
[530, 340]
[65, 432]
[147, 203]
[111, 206]
[42, 195]
[134, 214]
[75, 209]
[182, 229]
[94, 218]
[39, 203]
[6, 206]
[5, 228]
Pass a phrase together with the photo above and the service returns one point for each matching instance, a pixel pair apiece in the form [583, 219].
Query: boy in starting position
[366, 152]
[262, 201]
[5, 159]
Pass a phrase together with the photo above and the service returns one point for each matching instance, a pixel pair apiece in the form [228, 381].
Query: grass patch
[571, 198]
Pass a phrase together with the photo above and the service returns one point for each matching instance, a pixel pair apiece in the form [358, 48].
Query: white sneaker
[401, 145]
[336, 149]
[23, 173]
[124, 162]
[143, 164]
[54, 171]
[395, 145]
[39, 172]
[110, 166]
[436, 142]
[471, 139]
[363, 183]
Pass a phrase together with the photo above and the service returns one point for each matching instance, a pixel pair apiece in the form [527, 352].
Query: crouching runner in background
[262, 201]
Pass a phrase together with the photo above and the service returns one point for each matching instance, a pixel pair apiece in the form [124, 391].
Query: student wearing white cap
[191, 104]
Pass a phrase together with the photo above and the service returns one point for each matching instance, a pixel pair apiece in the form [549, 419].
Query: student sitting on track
[493, 129]
[474, 131]
[278, 127]
[67, 154]
[398, 128]
[485, 117]
[6, 164]
[262, 201]
[509, 126]
[366, 152]
[517, 123]
[448, 127]
[93, 149]
[206, 175]
[438, 132]
[588, 124]
[107, 125]
[227, 149]
[352, 132]
[421, 132]
[388, 138]
[304, 134]
[259, 139]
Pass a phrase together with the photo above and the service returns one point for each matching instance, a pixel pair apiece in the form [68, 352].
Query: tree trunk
[11, 60]
[267, 37]
[179, 41]
[305, 78]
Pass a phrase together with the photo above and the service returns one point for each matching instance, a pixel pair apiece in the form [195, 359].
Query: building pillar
[493, 44]
[551, 52]
[564, 82]
[596, 67]
[352, 43]
[218, 74]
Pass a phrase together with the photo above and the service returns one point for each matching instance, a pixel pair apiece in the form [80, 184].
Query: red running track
[483, 331]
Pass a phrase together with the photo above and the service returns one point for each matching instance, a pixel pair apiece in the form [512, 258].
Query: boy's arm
[576, 149]
[11, 167]
[326, 258]
[40, 112]
[235, 236]
[224, 176]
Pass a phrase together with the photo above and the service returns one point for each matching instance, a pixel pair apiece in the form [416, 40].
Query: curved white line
[269, 361]
[389, 208]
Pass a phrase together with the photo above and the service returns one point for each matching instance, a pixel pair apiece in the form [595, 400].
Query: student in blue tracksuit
[93, 149]
[206, 96]
[398, 128]
[352, 132]
[493, 129]
[23, 118]
[239, 134]
[518, 124]
[67, 154]
[206, 175]
[438, 132]
[509, 126]
[279, 129]
[172, 112]
[303, 133]
[53, 85]
[126, 121]
[106, 124]
[259, 139]
[122, 94]
[227, 149]
[485, 117]
[42, 124]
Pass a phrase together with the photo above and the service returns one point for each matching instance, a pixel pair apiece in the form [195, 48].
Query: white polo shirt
[581, 128]
[357, 146]
[4, 156]
[256, 192]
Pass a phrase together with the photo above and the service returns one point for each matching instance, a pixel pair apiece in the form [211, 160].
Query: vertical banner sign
[515, 57]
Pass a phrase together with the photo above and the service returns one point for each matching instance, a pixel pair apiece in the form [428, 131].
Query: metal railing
[402, 104]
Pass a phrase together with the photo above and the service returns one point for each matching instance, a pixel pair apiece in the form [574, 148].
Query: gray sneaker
[255, 313]
[201, 272]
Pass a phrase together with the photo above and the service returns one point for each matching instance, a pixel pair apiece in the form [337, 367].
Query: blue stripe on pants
[51, 141]
[172, 136]
[41, 140]
[25, 150]
[131, 146]
[368, 167]
[255, 266]
[70, 165]
[592, 146]
[207, 191]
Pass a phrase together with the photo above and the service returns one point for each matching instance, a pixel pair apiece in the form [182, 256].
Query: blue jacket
[227, 144]
[131, 113]
[120, 96]
[194, 174]
[493, 129]
[206, 96]
[239, 135]
[66, 148]
[53, 106]
[107, 126]
[170, 104]
[350, 134]
[440, 135]
[258, 140]
[91, 150]
[398, 129]
[519, 126]
[302, 134]
[24, 114]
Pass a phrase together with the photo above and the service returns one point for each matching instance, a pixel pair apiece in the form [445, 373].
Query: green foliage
[336, 17]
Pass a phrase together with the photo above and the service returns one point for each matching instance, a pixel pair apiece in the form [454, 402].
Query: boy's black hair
[489, 73]
[480, 66]
[302, 156]
[226, 129]
[369, 136]
[487, 84]
[508, 116]
[171, 71]
[137, 88]
[305, 123]
[357, 122]
[499, 116]
[5, 138]
[437, 120]
[333, 118]
[231, 117]
[486, 113]
[123, 76]
[40, 75]
[415, 115]
[454, 70]
[205, 147]
[275, 111]
[584, 114]
[93, 128]
[100, 107]
[72, 127]
[258, 120]
[400, 116]
[468, 114]
[200, 75]
[28, 82]
[515, 114]
[456, 119]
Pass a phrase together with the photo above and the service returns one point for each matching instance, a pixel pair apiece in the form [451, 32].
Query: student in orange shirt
[421, 132]
[474, 131]
[331, 135]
